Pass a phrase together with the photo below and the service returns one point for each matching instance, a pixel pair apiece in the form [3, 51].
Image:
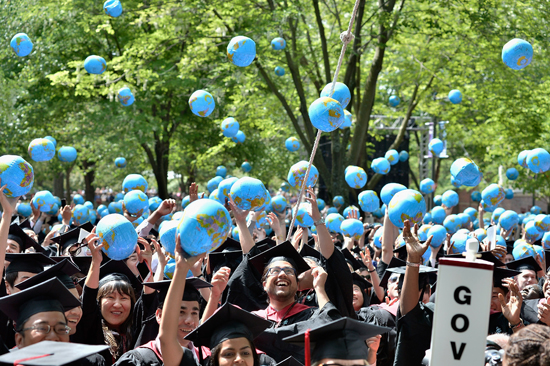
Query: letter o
[464, 327]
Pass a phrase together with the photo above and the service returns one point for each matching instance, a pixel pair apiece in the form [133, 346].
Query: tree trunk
[89, 176]
[58, 185]
[68, 183]
[159, 162]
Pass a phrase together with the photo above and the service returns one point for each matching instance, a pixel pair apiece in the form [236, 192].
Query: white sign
[462, 307]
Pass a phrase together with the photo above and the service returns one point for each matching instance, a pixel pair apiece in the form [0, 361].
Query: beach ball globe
[120, 162]
[338, 201]
[480, 234]
[54, 142]
[454, 182]
[235, 233]
[332, 210]
[154, 203]
[347, 120]
[21, 44]
[292, 144]
[496, 214]
[278, 44]
[458, 243]
[41, 149]
[112, 8]
[118, 236]
[488, 207]
[517, 54]
[538, 160]
[427, 218]
[348, 210]
[221, 171]
[185, 202]
[95, 65]
[24, 209]
[67, 154]
[224, 188]
[297, 173]
[43, 201]
[423, 232]
[241, 51]
[111, 207]
[352, 228]
[321, 204]
[119, 197]
[464, 219]
[78, 199]
[389, 190]
[279, 203]
[134, 181]
[493, 194]
[81, 214]
[356, 177]
[125, 97]
[341, 93]
[438, 215]
[403, 156]
[178, 215]
[508, 219]
[392, 156]
[436, 146]
[542, 222]
[466, 172]
[136, 202]
[512, 174]
[230, 126]
[523, 250]
[427, 186]
[476, 196]
[303, 219]
[508, 193]
[246, 167]
[532, 232]
[383, 208]
[326, 114]
[369, 201]
[87, 204]
[380, 166]
[333, 222]
[279, 71]
[407, 205]
[202, 103]
[377, 238]
[205, 225]
[545, 239]
[378, 213]
[439, 235]
[285, 187]
[455, 96]
[437, 200]
[472, 212]
[250, 194]
[450, 198]
[519, 242]
[214, 196]
[16, 174]
[213, 183]
[452, 223]
[239, 137]
[522, 158]
[536, 210]
[394, 101]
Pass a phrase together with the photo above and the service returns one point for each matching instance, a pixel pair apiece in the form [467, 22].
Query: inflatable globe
[297, 173]
[406, 205]
[347, 120]
[221, 171]
[508, 193]
[125, 97]
[224, 188]
[352, 228]
[389, 190]
[154, 203]
[466, 172]
[285, 187]
[454, 182]
[103, 212]
[542, 222]
[377, 238]
[333, 222]
[119, 197]
[120, 162]
[496, 214]
[41, 149]
[512, 174]
[437, 200]
[427, 186]
[427, 218]
[302, 217]
[538, 160]
[439, 235]
[241, 51]
[279, 71]
[332, 210]
[472, 212]
[213, 183]
[508, 219]
[118, 236]
[452, 223]
[458, 243]
[403, 156]
[449, 199]
[436, 146]
[250, 194]
[279, 203]
[532, 233]
[185, 202]
[523, 250]
[292, 144]
[204, 226]
[54, 142]
[43, 201]
[230, 127]
[369, 201]
[517, 54]
[81, 214]
[455, 96]
[423, 232]
[202, 103]
[493, 194]
[476, 196]
[239, 137]
[178, 215]
[464, 219]
[112, 8]
[87, 204]
[522, 158]
[16, 174]
[235, 233]
[356, 178]
[480, 234]
[338, 201]
[438, 215]
[545, 240]
[78, 199]
[392, 156]
[167, 236]
[134, 181]
[24, 209]
[95, 65]
[67, 154]
[394, 101]
[21, 44]
[215, 196]
[348, 210]
[246, 167]
[487, 207]
[278, 44]
[136, 202]
[380, 166]
[378, 213]
[326, 114]
[341, 93]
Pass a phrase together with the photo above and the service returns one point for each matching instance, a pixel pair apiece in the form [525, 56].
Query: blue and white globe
[508, 219]
[392, 156]
[338, 201]
[221, 171]
[389, 190]
[134, 181]
[230, 126]
[213, 183]
[439, 235]
[120, 162]
[241, 51]
[403, 156]
[112, 8]
[43, 201]
[202, 103]
[292, 144]
[369, 201]
[381, 166]
[250, 194]
[394, 101]
[21, 44]
[81, 214]
[167, 235]
[517, 54]
[455, 96]
[297, 174]
[466, 172]
[476, 196]
[239, 137]
[41, 149]
[67, 154]
[341, 93]
[493, 194]
[406, 205]
[352, 228]
[136, 202]
[279, 203]
[326, 114]
[278, 43]
[436, 146]
[95, 65]
[427, 186]
[16, 174]
[512, 174]
[126, 97]
[118, 236]
[356, 177]
[538, 160]
[333, 222]
[452, 223]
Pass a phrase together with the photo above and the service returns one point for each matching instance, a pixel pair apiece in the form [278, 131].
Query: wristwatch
[319, 222]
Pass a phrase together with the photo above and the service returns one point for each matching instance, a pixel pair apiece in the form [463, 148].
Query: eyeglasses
[274, 271]
[46, 328]
[393, 279]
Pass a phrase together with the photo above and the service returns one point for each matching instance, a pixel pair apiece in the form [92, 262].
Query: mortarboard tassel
[17, 362]
[307, 350]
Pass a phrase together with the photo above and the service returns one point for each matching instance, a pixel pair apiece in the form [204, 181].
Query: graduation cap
[394, 262]
[311, 253]
[27, 262]
[423, 272]
[62, 271]
[116, 271]
[289, 361]
[50, 295]
[49, 353]
[266, 244]
[190, 293]
[351, 259]
[229, 245]
[82, 262]
[524, 263]
[230, 259]
[74, 236]
[486, 256]
[401, 252]
[342, 339]
[25, 242]
[282, 252]
[501, 273]
[25, 224]
[360, 281]
[509, 246]
[154, 232]
[228, 322]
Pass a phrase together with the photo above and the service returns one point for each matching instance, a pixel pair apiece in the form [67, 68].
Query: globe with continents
[118, 236]
[297, 174]
[16, 174]
[333, 222]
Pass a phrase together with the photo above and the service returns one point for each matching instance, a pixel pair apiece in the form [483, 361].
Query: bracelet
[411, 264]
[371, 271]
[518, 325]
[319, 222]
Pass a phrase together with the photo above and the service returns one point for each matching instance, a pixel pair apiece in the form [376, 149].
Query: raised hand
[512, 309]
[313, 208]
[219, 281]
[193, 192]
[166, 207]
[415, 249]
[8, 204]
[297, 238]
[163, 258]
[183, 261]
[240, 215]
[66, 214]
[92, 241]
[543, 312]
[319, 278]
[145, 254]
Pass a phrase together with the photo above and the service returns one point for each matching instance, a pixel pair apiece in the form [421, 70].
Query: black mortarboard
[289, 361]
[154, 232]
[394, 262]
[351, 259]
[360, 281]
[228, 322]
[50, 295]
[27, 262]
[62, 271]
[73, 236]
[230, 259]
[342, 339]
[229, 245]
[25, 224]
[265, 244]
[501, 273]
[401, 270]
[282, 252]
[82, 262]
[486, 256]
[118, 270]
[25, 242]
[50, 353]
[190, 293]
[309, 252]
[524, 263]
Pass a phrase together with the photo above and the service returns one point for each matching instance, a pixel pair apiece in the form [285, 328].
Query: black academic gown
[529, 312]
[498, 324]
[377, 316]
[143, 356]
[414, 335]
[339, 284]
[7, 331]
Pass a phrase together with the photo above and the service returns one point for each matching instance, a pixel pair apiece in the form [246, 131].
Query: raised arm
[247, 242]
[388, 239]
[8, 208]
[326, 246]
[95, 246]
[219, 283]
